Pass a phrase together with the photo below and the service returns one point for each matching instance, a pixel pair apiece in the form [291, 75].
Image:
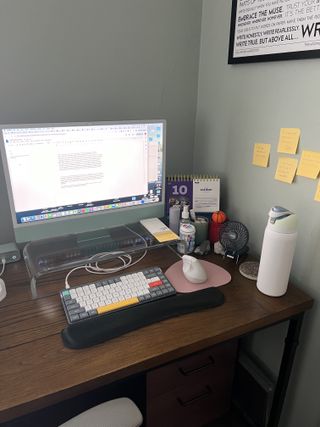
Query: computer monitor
[67, 178]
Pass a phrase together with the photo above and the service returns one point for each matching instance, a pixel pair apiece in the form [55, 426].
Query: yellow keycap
[116, 305]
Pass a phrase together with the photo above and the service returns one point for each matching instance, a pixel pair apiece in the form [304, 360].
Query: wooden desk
[38, 371]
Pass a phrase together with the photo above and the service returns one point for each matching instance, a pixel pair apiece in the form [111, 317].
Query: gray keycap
[83, 315]
[92, 313]
[73, 306]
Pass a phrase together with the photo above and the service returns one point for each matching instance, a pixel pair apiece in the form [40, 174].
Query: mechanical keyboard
[116, 293]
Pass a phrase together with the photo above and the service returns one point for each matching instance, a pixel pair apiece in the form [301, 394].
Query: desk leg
[291, 344]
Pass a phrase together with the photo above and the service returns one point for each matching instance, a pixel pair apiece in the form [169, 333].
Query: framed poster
[271, 30]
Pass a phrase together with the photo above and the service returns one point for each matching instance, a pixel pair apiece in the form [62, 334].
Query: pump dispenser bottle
[277, 252]
[185, 216]
[187, 233]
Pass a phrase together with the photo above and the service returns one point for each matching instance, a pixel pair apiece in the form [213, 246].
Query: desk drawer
[193, 407]
[192, 391]
[215, 363]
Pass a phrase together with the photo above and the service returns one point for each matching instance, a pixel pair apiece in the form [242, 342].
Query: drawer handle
[203, 395]
[187, 372]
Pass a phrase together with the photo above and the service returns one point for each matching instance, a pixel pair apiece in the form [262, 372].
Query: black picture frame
[282, 54]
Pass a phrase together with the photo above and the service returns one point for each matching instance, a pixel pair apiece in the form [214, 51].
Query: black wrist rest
[104, 327]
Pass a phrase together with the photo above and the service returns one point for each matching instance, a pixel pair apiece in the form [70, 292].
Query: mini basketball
[219, 217]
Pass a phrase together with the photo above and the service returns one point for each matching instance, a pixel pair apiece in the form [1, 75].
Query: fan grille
[233, 236]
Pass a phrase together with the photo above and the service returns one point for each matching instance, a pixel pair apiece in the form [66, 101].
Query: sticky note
[309, 165]
[317, 195]
[160, 231]
[286, 169]
[261, 155]
[289, 140]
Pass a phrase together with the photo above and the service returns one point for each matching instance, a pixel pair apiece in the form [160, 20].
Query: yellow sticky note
[317, 195]
[261, 155]
[309, 165]
[286, 169]
[165, 236]
[289, 140]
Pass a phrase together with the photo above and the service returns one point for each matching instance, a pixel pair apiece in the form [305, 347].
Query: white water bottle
[277, 252]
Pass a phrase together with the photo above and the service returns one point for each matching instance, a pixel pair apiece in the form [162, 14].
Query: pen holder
[201, 225]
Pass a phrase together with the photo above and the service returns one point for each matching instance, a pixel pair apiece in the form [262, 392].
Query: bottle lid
[282, 220]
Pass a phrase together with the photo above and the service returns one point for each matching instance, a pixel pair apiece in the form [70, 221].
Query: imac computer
[68, 178]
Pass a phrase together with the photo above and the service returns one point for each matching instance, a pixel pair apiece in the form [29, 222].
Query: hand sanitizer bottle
[277, 252]
[187, 233]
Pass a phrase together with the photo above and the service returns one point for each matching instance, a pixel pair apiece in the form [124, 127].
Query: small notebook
[206, 195]
[159, 230]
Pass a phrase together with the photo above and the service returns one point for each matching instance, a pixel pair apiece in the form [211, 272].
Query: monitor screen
[76, 177]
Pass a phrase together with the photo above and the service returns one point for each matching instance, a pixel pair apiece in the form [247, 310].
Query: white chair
[120, 412]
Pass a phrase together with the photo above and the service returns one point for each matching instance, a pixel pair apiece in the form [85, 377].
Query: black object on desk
[102, 328]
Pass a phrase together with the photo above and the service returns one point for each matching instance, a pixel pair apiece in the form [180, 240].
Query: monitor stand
[47, 256]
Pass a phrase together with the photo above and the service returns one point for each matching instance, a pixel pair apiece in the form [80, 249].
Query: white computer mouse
[193, 270]
[3, 291]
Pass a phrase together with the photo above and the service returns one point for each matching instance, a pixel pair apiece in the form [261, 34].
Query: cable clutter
[93, 265]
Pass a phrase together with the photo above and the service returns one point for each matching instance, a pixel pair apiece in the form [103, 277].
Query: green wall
[239, 105]
[80, 60]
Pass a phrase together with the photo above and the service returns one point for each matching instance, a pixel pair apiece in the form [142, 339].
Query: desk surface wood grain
[37, 370]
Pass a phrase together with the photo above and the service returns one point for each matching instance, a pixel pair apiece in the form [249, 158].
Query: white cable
[3, 260]
[99, 270]
[66, 283]
[121, 255]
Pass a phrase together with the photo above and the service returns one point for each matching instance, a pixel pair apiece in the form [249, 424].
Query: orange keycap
[116, 305]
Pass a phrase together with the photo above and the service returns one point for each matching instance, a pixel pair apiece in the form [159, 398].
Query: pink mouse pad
[217, 276]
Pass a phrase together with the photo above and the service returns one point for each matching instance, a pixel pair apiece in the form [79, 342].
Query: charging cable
[93, 265]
